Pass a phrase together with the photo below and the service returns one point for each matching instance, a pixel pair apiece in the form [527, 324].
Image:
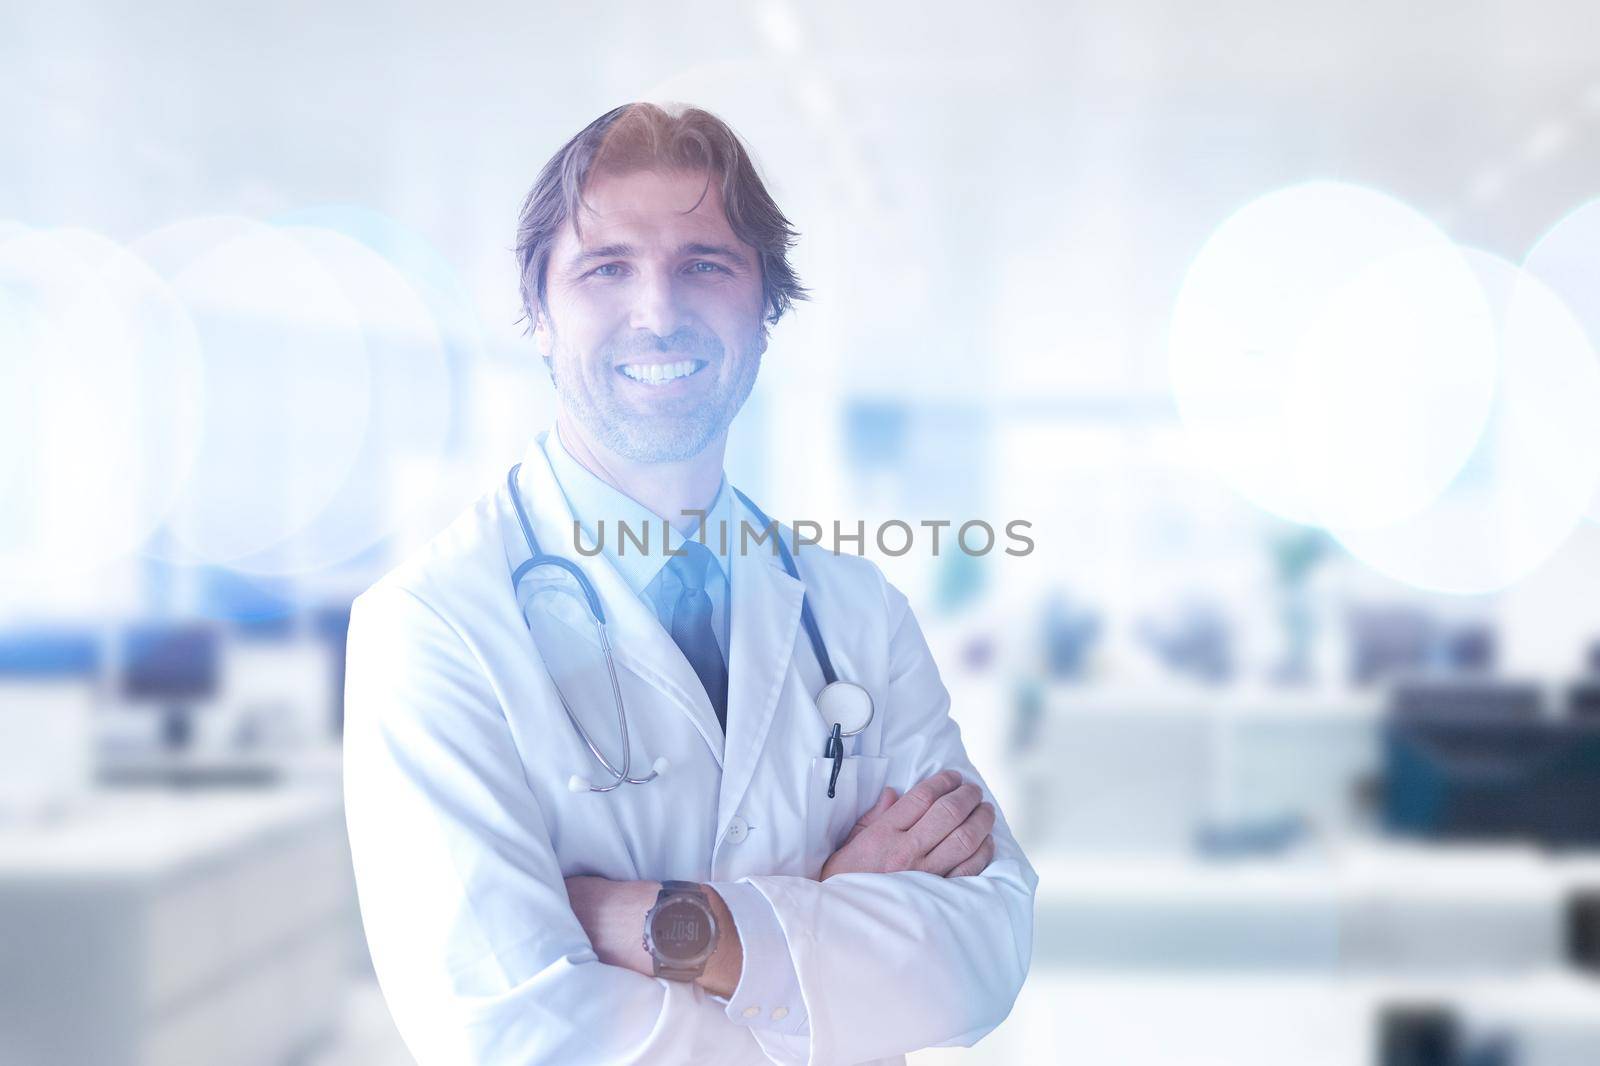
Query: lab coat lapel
[766, 621]
[638, 643]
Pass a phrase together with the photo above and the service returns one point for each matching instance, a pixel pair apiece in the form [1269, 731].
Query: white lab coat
[457, 758]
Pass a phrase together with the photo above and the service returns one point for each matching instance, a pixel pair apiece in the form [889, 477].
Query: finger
[946, 813]
[914, 804]
[962, 843]
[978, 863]
[886, 800]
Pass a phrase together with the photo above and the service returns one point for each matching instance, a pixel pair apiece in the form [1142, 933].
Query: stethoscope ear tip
[660, 766]
[577, 784]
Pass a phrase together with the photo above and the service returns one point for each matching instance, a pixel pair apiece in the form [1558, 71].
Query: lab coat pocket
[861, 778]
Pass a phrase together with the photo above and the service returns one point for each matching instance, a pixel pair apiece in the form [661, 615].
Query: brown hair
[640, 136]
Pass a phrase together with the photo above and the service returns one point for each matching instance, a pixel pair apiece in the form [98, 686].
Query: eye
[607, 270]
[710, 267]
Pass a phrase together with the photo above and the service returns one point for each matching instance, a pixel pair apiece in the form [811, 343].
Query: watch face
[680, 931]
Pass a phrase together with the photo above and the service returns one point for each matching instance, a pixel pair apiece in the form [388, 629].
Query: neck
[667, 489]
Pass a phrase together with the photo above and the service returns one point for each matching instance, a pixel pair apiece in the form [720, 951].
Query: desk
[1369, 909]
[1114, 770]
[1149, 1020]
[160, 929]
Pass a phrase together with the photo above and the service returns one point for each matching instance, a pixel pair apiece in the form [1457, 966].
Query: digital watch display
[680, 932]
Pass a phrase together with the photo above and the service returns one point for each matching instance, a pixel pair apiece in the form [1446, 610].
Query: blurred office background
[1277, 322]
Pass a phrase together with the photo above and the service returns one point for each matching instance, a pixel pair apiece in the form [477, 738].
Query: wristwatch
[679, 931]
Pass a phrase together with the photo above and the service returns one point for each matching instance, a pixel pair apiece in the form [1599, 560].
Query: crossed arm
[942, 826]
[487, 955]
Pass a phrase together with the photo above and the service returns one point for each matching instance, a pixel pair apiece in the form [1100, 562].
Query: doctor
[727, 909]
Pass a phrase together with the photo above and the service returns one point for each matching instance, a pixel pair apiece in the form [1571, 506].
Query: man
[753, 899]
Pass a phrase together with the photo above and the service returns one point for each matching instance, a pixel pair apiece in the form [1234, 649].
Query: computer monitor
[173, 665]
[1418, 1034]
[1482, 762]
[1583, 930]
[1583, 701]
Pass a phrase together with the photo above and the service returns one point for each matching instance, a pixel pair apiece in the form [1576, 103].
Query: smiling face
[652, 318]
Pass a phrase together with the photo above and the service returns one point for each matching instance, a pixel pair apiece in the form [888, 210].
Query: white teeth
[660, 373]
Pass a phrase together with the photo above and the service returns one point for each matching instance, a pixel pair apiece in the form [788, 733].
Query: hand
[612, 913]
[942, 826]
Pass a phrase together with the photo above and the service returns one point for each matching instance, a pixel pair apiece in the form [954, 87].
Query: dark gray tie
[691, 625]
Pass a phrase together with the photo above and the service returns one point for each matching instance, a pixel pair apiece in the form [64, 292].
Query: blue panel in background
[254, 607]
[62, 653]
[876, 434]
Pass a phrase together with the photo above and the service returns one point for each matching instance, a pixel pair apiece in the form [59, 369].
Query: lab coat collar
[764, 609]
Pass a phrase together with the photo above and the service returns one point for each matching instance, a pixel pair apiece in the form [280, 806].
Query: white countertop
[147, 833]
[1440, 872]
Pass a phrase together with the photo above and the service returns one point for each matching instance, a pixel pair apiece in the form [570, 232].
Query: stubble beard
[641, 437]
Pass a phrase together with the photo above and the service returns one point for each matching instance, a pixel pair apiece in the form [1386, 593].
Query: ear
[544, 341]
[541, 336]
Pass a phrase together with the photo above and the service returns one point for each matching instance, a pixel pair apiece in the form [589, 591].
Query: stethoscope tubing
[598, 618]
[807, 619]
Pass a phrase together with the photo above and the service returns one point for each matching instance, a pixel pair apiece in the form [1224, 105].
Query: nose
[656, 305]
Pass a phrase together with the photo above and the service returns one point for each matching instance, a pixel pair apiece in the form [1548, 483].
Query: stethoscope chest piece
[846, 705]
[846, 710]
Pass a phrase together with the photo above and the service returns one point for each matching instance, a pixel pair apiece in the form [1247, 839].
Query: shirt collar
[594, 500]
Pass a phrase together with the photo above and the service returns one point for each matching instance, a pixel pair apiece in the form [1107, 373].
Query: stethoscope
[846, 707]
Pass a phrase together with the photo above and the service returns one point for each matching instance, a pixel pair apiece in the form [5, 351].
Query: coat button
[738, 829]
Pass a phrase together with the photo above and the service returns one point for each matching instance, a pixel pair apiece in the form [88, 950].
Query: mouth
[658, 374]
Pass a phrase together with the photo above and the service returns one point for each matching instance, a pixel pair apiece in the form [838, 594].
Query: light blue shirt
[768, 981]
[641, 554]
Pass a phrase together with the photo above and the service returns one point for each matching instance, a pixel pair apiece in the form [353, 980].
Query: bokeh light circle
[1332, 356]
[1567, 260]
[1393, 383]
[409, 414]
[101, 378]
[17, 414]
[424, 267]
[1535, 467]
[288, 385]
